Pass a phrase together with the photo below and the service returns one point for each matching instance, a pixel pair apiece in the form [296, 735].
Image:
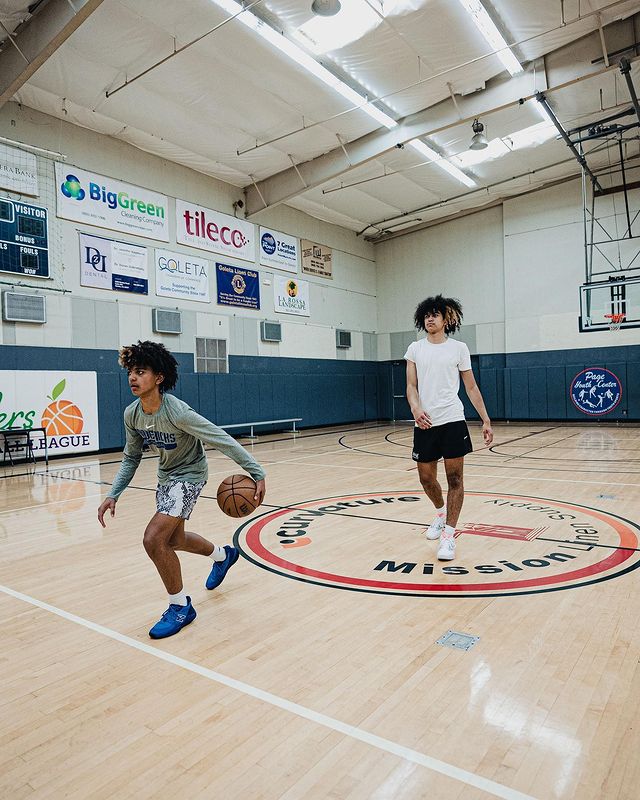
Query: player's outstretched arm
[108, 504]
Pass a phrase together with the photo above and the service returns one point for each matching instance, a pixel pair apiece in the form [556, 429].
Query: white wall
[516, 269]
[462, 258]
[79, 316]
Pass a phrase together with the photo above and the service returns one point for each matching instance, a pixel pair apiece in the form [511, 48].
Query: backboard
[618, 295]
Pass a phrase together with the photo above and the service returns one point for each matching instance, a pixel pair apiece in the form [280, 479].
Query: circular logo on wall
[238, 283]
[507, 545]
[596, 391]
[268, 243]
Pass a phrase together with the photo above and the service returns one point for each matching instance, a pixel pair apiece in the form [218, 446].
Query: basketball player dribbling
[434, 367]
[163, 421]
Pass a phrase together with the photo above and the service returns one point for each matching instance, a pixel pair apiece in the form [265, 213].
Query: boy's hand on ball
[261, 490]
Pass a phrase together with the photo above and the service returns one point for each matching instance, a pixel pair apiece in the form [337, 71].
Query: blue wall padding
[515, 386]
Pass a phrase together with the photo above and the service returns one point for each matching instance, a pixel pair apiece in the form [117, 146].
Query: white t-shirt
[438, 367]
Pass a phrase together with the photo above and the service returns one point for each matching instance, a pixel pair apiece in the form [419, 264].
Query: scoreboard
[24, 240]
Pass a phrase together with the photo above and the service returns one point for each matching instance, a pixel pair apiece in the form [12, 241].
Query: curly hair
[153, 356]
[449, 307]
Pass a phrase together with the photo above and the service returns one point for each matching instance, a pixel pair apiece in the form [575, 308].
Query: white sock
[218, 553]
[442, 512]
[179, 599]
[449, 531]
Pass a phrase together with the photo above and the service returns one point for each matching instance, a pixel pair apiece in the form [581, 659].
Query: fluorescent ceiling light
[528, 137]
[356, 18]
[487, 28]
[303, 59]
[441, 162]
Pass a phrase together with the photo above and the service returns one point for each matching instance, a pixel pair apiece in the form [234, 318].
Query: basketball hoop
[615, 321]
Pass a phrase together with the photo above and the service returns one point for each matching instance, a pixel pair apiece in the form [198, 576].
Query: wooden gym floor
[314, 671]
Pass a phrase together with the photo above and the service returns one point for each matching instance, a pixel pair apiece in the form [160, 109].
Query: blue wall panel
[557, 393]
[519, 386]
[519, 395]
[537, 390]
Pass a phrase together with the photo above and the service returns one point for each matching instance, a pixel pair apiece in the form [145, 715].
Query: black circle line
[379, 519]
[213, 449]
[424, 595]
[498, 466]
[499, 444]
[419, 524]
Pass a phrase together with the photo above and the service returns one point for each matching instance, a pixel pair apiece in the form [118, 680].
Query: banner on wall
[317, 259]
[290, 296]
[212, 230]
[18, 171]
[185, 277]
[596, 391]
[97, 200]
[237, 286]
[64, 403]
[278, 250]
[109, 264]
[24, 239]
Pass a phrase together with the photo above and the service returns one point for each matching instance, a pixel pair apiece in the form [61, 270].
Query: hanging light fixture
[326, 8]
[478, 140]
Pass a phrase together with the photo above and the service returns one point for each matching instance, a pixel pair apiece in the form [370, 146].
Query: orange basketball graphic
[61, 417]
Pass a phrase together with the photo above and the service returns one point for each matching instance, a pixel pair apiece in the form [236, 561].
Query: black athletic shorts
[450, 440]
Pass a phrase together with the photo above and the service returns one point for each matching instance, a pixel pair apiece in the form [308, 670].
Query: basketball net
[615, 321]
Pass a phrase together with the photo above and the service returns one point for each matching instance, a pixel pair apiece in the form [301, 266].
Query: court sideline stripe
[351, 731]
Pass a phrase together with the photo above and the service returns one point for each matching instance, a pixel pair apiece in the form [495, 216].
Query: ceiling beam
[38, 39]
[291, 182]
[567, 65]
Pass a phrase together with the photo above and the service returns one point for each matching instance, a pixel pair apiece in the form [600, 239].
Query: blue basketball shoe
[220, 568]
[173, 620]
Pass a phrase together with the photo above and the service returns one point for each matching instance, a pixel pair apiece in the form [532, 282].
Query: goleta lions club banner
[64, 403]
[97, 200]
[212, 230]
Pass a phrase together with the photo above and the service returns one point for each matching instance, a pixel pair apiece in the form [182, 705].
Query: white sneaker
[447, 549]
[434, 531]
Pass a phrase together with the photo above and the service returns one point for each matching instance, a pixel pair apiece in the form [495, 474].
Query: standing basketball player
[161, 420]
[434, 367]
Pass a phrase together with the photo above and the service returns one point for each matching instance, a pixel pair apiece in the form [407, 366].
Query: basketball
[235, 495]
[62, 418]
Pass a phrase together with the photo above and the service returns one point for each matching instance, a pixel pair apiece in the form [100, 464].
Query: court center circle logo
[506, 545]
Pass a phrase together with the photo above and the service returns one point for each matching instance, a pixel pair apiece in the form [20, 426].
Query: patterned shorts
[177, 498]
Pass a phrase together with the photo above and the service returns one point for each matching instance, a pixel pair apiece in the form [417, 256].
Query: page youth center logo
[596, 391]
[507, 545]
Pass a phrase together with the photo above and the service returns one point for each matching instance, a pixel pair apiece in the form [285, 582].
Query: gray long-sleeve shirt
[178, 432]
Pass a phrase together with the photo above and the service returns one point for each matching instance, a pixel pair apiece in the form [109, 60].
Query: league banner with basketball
[237, 286]
[108, 264]
[64, 403]
[291, 296]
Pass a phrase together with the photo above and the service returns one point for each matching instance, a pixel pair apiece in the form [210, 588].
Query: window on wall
[211, 355]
